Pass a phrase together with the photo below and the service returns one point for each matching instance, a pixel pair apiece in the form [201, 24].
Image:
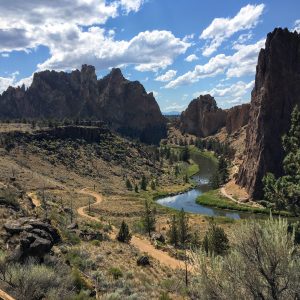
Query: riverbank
[214, 198]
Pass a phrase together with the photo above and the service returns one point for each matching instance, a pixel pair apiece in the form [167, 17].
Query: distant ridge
[124, 105]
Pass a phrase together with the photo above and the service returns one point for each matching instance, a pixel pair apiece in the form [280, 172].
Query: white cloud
[242, 39]
[72, 32]
[169, 75]
[229, 93]
[5, 55]
[191, 58]
[175, 107]
[222, 28]
[297, 26]
[242, 62]
[131, 5]
[11, 80]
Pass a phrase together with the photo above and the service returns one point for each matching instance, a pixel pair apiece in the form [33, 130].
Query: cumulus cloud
[191, 58]
[234, 93]
[131, 5]
[72, 31]
[175, 107]
[242, 62]
[221, 29]
[297, 26]
[169, 75]
[11, 80]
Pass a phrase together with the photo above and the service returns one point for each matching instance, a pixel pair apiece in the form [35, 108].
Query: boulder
[143, 261]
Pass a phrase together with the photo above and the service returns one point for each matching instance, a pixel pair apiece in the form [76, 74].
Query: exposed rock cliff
[237, 117]
[122, 104]
[276, 92]
[203, 117]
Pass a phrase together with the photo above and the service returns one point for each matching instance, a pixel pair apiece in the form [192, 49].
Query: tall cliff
[237, 117]
[276, 92]
[202, 117]
[124, 105]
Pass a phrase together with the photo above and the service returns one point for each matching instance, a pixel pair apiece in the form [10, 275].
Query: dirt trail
[5, 296]
[224, 193]
[141, 244]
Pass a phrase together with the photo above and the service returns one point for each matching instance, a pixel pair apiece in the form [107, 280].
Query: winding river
[187, 200]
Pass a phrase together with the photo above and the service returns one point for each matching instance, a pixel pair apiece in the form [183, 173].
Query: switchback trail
[141, 244]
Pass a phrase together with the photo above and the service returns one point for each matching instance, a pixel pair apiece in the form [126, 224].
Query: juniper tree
[173, 232]
[285, 191]
[124, 235]
[148, 219]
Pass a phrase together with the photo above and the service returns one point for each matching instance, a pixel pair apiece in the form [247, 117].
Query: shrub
[262, 264]
[215, 240]
[115, 272]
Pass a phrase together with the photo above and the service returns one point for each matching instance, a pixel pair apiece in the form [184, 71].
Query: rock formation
[237, 117]
[276, 92]
[33, 237]
[123, 105]
[203, 117]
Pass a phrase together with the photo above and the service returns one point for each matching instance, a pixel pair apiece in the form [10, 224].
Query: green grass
[214, 199]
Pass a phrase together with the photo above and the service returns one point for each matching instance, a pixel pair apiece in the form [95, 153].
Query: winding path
[5, 296]
[141, 244]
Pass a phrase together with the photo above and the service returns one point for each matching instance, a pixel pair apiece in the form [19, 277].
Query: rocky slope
[203, 117]
[276, 92]
[124, 105]
[237, 117]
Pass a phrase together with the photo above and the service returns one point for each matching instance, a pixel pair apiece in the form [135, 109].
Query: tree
[185, 154]
[216, 240]
[223, 170]
[285, 191]
[124, 235]
[144, 183]
[177, 170]
[136, 188]
[128, 184]
[183, 228]
[173, 232]
[148, 218]
[153, 185]
[214, 181]
[263, 264]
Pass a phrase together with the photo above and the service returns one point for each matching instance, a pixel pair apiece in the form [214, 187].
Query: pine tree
[144, 183]
[173, 232]
[185, 154]
[177, 170]
[153, 185]
[148, 218]
[183, 228]
[214, 181]
[223, 170]
[216, 240]
[136, 188]
[124, 235]
[285, 191]
[128, 184]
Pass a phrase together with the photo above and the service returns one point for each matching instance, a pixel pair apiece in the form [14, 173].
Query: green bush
[115, 272]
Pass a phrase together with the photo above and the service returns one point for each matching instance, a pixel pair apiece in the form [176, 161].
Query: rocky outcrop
[30, 238]
[276, 92]
[237, 117]
[203, 117]
[124, 105]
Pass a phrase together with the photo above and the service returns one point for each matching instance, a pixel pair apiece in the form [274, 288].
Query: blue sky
[176, 49]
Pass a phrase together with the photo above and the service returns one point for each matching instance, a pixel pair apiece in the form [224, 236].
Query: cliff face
[276, 92]
[123, 104]
[203, 117]
[237, 117]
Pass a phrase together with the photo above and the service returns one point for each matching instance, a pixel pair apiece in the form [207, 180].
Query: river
[187, 200]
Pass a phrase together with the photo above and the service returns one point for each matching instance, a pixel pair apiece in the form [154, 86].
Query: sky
[177, 49]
